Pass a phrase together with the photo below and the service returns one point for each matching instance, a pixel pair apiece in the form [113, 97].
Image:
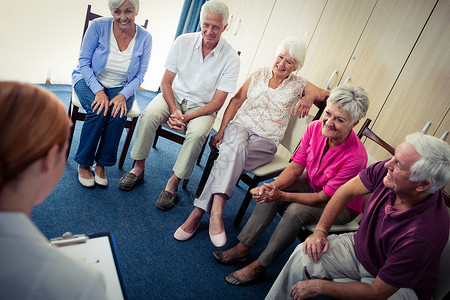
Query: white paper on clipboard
[98, 250]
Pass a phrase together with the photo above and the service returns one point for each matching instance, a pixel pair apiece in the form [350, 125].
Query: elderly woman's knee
[297, 214]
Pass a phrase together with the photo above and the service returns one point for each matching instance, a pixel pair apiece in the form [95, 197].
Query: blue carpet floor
[154, 265]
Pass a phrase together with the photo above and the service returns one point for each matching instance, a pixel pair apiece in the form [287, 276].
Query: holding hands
[266, 193]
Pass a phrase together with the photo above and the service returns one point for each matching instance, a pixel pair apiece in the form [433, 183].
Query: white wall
[41, 39]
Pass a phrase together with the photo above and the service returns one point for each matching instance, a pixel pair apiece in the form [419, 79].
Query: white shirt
[31, 269]
[115, 71]
[198, 79]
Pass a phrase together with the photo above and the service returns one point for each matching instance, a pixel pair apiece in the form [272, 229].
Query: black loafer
[166, 200]
[218, 255]
[234, 280]
[129, 181]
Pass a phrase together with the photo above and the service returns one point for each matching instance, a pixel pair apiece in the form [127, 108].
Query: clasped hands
[101, 102]
[177, 120]
[266, 193]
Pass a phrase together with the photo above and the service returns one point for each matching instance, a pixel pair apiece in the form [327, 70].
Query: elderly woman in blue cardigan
[113, 61]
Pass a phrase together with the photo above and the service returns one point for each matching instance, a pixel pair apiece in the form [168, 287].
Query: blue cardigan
[94, 55]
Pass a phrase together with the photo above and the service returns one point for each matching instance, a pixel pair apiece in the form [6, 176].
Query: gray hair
[296, 49]
[113, 4]
[434, 164]
[352, 99]
[217, 8]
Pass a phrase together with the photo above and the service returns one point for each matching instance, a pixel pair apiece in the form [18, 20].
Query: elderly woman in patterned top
[262, 109]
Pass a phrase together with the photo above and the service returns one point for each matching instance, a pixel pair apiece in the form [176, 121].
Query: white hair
[214, 7]
[434, 164]
[113, 4]
[352, 99]
[296, 49]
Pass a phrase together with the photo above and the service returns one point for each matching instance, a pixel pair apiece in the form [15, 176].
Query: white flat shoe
[89, 183]
[181, 235]
[218, 240]
[103, 182]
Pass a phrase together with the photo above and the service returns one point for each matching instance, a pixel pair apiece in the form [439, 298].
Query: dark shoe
[129, 181]
[218, 255]
[234, 280]
[166, 200]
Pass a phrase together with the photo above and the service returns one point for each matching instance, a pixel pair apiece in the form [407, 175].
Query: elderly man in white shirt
[201, 69]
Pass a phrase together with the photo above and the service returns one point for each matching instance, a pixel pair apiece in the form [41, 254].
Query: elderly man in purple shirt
[396, 251]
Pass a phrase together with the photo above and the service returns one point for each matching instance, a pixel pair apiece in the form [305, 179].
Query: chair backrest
[297, 127]
[367, 132]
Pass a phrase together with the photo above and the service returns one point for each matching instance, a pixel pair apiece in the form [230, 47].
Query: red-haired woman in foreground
[34, 129]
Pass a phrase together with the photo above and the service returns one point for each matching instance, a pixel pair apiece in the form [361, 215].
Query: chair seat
[135, 111]
[278, 163]
[182, 131]
[348, 227]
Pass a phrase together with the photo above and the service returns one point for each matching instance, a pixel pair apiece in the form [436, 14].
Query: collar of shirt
[217, 49]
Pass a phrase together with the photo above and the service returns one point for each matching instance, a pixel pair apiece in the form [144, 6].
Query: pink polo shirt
[337, 166]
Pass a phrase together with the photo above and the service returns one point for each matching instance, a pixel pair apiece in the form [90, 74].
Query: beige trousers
[197, 131]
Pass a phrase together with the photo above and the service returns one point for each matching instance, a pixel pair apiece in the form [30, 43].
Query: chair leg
[127, 142]
[72, 112]
[155, 140]
[243, 208]
[185, 183]
[199, 159]
[209, 164]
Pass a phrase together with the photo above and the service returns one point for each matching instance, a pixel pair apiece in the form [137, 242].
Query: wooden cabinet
[334, 40]
[248, 20]
[289, 18]
[384, 47]
[421, 91]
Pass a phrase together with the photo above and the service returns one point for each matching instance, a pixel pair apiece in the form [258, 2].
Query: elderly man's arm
[311, 94]
[175, 119]
[378, 289]
[316, 244]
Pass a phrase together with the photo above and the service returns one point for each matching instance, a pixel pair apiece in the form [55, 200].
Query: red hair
[32, 120]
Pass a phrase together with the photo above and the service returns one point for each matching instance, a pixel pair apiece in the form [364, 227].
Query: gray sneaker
[166, 200]
[129, 181]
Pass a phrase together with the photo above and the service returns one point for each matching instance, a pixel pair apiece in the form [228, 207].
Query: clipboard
[99, 250]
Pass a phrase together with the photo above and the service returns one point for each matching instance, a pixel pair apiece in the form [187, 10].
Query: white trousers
[241, 151]
[339, 261]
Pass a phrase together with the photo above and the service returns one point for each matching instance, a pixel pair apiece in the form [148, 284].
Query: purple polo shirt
[336, 167]
[402, 247]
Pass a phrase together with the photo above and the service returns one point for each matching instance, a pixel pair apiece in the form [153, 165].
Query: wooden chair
[290, 141]
[77, 113]
[352, 226]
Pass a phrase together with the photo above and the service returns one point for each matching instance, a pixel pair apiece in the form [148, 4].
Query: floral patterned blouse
[267, 111]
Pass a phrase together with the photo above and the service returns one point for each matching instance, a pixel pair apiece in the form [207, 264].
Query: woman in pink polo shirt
[329, 155]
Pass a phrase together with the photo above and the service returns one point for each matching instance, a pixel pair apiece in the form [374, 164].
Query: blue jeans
[100, 135]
